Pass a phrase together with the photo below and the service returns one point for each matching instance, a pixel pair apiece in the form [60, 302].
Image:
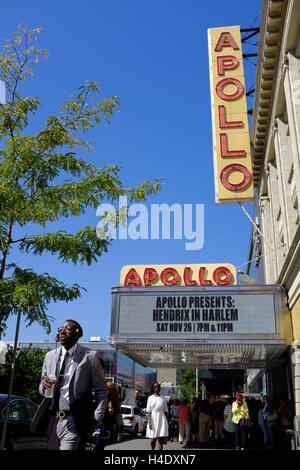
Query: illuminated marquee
[231, 143]
[178, 275]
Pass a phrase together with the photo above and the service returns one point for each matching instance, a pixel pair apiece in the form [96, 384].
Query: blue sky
[154, 56]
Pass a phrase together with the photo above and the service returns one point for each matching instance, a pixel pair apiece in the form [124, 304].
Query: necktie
[60, 382]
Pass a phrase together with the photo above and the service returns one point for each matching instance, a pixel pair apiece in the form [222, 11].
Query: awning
[205, 356]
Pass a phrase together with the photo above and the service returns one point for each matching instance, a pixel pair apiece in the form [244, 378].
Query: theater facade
[199, 316]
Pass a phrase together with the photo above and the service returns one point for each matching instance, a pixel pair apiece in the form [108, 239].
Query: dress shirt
[64, 389]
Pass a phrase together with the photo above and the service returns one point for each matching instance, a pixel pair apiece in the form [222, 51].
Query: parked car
[18, 434]
[134, 419]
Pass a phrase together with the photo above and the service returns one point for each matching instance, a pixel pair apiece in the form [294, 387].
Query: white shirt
[228, 425]
[64, 390]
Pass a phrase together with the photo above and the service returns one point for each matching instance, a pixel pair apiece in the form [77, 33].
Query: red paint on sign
[226, 40]
[231, 168]
[132, 278]
[225, 153]
[224, 124]
[150, 274]
[167, 281]
[217, 276]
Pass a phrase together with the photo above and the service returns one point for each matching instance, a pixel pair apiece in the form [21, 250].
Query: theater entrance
[220, 382]
[225, 331]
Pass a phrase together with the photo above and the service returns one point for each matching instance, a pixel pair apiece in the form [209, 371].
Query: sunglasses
[67, 328]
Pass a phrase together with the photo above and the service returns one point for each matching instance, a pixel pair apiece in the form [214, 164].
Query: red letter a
[226, 40]
[132, 277]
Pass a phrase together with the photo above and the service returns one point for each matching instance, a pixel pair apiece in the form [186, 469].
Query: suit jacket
[86, 375]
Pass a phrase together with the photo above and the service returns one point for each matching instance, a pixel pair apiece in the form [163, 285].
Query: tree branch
[18, 241]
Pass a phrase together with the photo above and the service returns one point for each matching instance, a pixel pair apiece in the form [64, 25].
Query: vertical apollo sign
[231, 142]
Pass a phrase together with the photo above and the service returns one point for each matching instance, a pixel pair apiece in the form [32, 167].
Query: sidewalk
[142, 443]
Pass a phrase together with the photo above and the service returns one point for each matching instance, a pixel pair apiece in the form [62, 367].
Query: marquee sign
[196, 314]
[178, 275]
[231, 143]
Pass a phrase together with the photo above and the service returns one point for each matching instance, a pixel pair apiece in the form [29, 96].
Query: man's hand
[46, 383]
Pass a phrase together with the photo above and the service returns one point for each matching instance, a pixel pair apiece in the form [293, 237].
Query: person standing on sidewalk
[157, 410]
[174, 410]
[219, 421]
[229, 429]
[240, 417]
[113, 419]
[269, 419]
[205, 423]
[184, 420]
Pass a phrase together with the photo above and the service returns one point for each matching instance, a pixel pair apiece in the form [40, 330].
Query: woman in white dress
[157, 409]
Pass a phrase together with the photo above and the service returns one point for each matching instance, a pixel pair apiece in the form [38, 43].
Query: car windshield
[126, 411]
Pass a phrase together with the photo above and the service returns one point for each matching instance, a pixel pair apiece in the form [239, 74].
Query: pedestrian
[229, 430]
[254, 435]
[205, 422]
[285, 421]
[261, 424]
[170, 405]
[195, 419]
[269, 419]
[113, 419]
[240, 417]
[71, 416]
[174, 410]
[157, 409]
[184, 421]
[212, 408]
[219, 421]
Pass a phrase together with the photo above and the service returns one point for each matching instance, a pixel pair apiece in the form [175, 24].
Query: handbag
[246, 422]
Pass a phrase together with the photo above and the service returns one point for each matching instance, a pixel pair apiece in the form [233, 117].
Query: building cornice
[270, 43]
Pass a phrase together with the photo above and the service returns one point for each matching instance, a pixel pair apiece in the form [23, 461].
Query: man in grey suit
[71, 415]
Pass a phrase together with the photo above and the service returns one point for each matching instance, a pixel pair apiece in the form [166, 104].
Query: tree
[187, 384]
[42, 179]
[27, 374]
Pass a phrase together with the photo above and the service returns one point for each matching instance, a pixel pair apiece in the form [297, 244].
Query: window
[125, 411]
[279, 215]
[17, 411]
[295, 205]
[291, 175]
